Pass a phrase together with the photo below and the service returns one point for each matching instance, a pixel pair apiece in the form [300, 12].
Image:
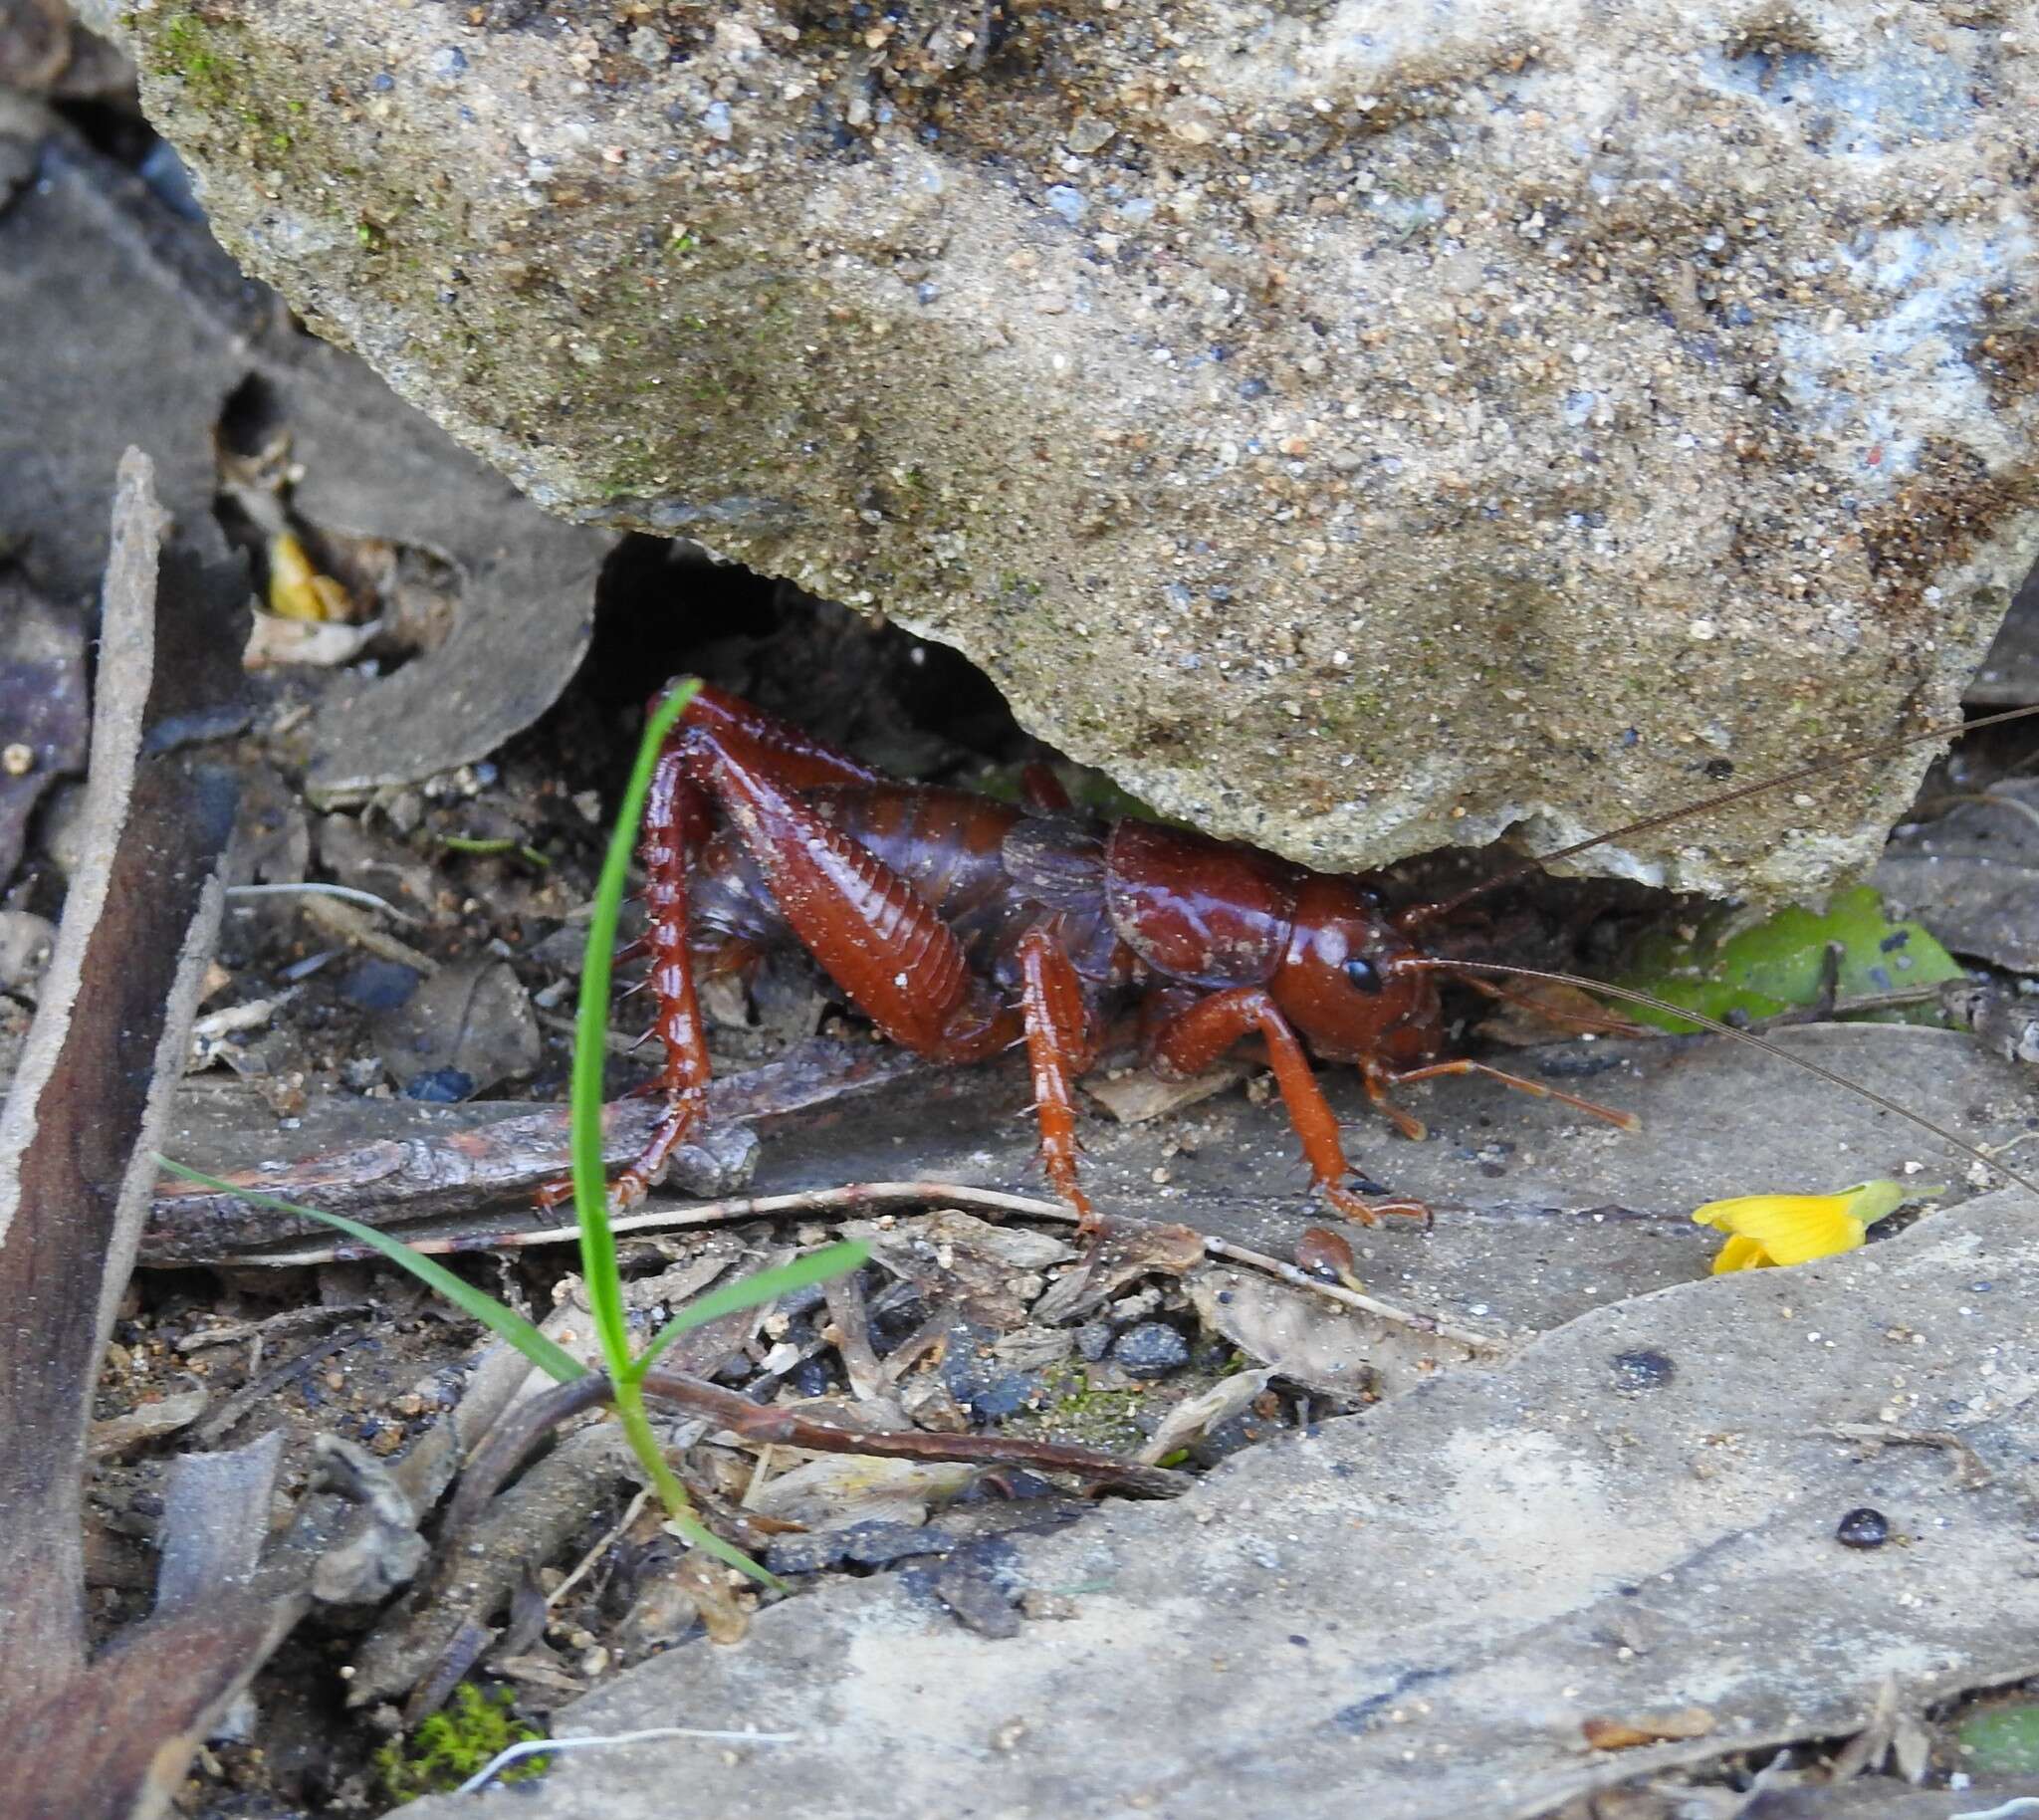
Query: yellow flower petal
[1741, 1254]
[1796, 1228]
[297, 591]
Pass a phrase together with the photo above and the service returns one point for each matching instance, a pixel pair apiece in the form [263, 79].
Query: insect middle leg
[1379, 1080]
[1196, 1037]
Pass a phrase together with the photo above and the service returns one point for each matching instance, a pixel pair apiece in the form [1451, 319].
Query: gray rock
[1153, 1349]
[1411, 1614]
[1357, 428]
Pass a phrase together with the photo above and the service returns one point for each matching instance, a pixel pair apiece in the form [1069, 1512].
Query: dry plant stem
[341, 918]
[514, 1435]
[849, 1199]
[787, 1428]
[856, 1196]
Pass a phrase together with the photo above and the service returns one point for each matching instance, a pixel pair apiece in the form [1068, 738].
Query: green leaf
[546, 1354]
[1720, 966]
[767, 1285]
[590, 1180]
[2004, 1742]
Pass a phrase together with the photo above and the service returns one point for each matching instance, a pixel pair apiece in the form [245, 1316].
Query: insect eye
[1363, 973]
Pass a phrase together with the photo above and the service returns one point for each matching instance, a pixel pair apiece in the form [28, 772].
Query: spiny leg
[1196, 1037]
[871, 932]
[1431, 1071]
[1376, 1078]
[789, 753]
[874, 934]
[1060, 1043]
[671, 808]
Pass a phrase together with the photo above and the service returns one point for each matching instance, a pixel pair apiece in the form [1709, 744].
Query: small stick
[861, 1195]
[243, 1400]
[855, 1196]
[787, 1428]
[341, 918]
[514, 1435]
[346, 894]
[1970, 1470]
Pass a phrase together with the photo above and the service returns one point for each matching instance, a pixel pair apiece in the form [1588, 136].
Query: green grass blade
[590, 1178]
[701, 1536]
[767, 1285]
[546, 1354]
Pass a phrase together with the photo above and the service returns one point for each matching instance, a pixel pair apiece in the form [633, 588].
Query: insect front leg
[1196, 1037]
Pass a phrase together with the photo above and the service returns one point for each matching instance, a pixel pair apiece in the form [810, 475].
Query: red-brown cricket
[962, 926]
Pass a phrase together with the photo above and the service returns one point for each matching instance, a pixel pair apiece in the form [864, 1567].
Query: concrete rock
[1415, 1614]
[1357, 427]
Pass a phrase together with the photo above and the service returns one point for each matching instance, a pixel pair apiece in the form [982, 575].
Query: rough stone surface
[1409, 1614]
[1357, 426]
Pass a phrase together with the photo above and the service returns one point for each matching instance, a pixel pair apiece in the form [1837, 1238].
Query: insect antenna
[1630, 996]
[1418, 914]
[1611, 1024]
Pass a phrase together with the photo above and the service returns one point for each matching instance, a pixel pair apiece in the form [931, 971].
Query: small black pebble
[379, 986]
[1863, 1528]
[803, 1301]
[446, 1085]
[1648, 1369]
[813, 1378]
[1153, 1349]
[1001, 1397]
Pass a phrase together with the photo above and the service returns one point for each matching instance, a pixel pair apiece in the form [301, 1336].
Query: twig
[706, 1212]
[1971, 1471]
[515, 1433]
[343, 919]
[287, 1322]
[861, 1195]
[252, 1393]
[586, 1565]
[759, 1422]
[520, 1429]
